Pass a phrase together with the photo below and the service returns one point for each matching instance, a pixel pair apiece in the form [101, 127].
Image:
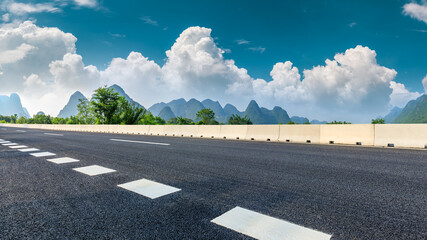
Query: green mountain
[392, 115]
[220, 114]
[12, 105]
[264, 116]
[230, 110]
[414, 112]
[71, 108]
[299, 120]
[122, 93]
[157, 108]
[166, 113]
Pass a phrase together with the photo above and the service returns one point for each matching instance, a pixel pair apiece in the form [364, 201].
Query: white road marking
[260, 226]
[19, 146]
[42, 154]
[21, 131]
[131, 141]
[9, 144]
[54, 134]
[94, 170]
[63, 160]
[29, 150]
[149, 188]
[4, 142]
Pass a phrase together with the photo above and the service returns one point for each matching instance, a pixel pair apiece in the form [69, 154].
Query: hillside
[70, 108]
[414, 112]
[10, 105]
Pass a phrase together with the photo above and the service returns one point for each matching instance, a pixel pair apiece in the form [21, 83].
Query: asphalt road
[348, 192]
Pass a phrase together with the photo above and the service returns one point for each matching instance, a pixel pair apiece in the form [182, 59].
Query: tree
[291, 122]
[207, 116]
[238, 120]
[105, 104]
[184, 121]
[85, 114]
[378, 121]
[130, 113]
[338, 122]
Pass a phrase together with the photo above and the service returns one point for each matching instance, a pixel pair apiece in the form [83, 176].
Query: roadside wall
[381, 135]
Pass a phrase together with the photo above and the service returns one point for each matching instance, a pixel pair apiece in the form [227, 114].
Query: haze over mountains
[414, 112]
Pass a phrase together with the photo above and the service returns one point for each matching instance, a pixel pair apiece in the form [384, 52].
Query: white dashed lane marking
[261, 226]
[2, 142]
[131, 141]
[54, 134]
[10, 144]
[149, 188]
[94, 170]
[19, 146]
[42, 154]
[29, 150]
[63, 160]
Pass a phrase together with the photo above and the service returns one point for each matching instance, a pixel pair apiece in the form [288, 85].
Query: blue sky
[305, 32]
[255, 34]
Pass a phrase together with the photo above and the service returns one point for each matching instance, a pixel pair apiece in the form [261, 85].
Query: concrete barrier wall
[233, 131]
[263, 132]
[382, 135]
[299, 133]
[401, 135]
[209, 131]
[361, 134]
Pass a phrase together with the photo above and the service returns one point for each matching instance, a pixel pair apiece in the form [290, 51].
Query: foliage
[378, 121]
[105, 105]
[149, 119]
[207, 117]
[238, 120]
[291, 122]
[180, 121]
[338, 122]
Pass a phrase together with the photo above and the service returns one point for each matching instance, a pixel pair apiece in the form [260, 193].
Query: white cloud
[242, 42]
[425, 84]
[352, 24]
[5, 17]
[352, 85]
[417, 11]
[149, 20]
[11, 56]
[26, 51]
[21, 9]
[257, 49]
[400, 95]
[71, 73]
[86, 3]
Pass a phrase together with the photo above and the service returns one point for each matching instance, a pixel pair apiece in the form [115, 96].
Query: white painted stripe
[54, 134]
[29, 150]
[42, 154]
[10, 144]
[63, 160]
[19, 146]
[94, 170]
[4, 142]
[21, 131]
[131, 141]
[261, 226]
[149, 188]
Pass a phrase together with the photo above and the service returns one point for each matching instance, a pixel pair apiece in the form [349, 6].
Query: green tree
[291, 122]
[184, 121]
[378, 121]
[105, 104]
[130, 113]
[338, 122]
[85, 112]
[207, 116]
[21, 120]
[238, 120]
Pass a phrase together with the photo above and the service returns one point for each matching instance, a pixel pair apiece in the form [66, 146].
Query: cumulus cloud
[5, 17]
[21, 9]
[26, 51]
[352, 85]
[71, 73]
[400, 95]
[417, 11]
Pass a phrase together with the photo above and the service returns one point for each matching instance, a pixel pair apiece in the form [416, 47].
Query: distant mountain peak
[70, 109]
